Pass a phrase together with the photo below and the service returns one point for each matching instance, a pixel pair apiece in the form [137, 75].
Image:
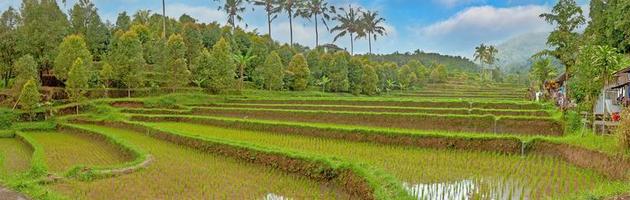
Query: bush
[7, 118]
[573, 121]
[623, 131]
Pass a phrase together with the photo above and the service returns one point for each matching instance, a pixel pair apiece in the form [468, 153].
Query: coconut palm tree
[271, 8]
[349, 23]
[372, 26]
[290, 6]
[491, 56]
[234, 9]
[314, 9]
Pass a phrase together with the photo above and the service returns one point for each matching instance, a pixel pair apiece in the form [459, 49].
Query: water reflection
[490, 189]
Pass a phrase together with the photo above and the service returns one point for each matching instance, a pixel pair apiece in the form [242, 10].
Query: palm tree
[349, 23]
[233, 8]
[163, 19]
[315, 8]
[481, 53]
[242, 61]
[372, 26]
[289, 6]
[491, 55]
[271, 9]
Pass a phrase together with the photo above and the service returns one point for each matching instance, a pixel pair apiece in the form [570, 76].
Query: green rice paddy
[14, 156]
[534, 176]
[183, 173]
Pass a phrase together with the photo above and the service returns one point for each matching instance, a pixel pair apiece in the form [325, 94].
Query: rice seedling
[15, 156]
[502, 175]
[183, 173]
[64, 151]
[392, 109]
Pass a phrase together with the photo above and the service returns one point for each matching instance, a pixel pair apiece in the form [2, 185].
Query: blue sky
[445, 26]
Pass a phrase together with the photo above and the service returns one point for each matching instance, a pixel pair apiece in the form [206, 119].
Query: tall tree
[43, 27]
[234, 9]
[222, 71]
[314, 9]
[369, 84]
[338, 73]
[193, 41]
[271, 9]
[77, 83]
[123, 22]
[372, 27]
[290, 6]
[85, 21]
[106, 76]
[25, 69]
[177, 70]
[593, 71]
[29, 97]
[72, 47]
[127, 59]
[349, 23]
[268, 75]
[567, 16]
[141, 17]
[200, 68]
[355, 75]
[298, 73]
[9, 21]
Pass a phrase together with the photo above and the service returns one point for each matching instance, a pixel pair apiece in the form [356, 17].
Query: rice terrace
[313, 99]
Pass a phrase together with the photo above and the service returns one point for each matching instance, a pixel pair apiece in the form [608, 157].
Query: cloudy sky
[445, 26]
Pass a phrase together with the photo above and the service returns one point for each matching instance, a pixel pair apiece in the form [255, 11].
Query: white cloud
[483, 24]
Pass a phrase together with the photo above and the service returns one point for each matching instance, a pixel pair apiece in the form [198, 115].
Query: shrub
[573, 121]
[7, 118]
[623, 131]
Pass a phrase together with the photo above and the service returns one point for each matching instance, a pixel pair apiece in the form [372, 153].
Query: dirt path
[6, 194]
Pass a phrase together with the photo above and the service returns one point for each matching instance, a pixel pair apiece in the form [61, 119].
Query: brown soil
[615, 167]
[461, 111]
[127, 104]
[6, 194]
[481, 124]
[460, 104]
[507, 145]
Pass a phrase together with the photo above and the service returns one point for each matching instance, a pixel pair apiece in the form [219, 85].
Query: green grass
[544, 176]
[184, 173]
[401, 109]
[15, 156]
[64, 151]
[604, 144]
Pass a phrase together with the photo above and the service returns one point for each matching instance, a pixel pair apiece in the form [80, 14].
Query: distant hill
[452, 63]
[514, 53]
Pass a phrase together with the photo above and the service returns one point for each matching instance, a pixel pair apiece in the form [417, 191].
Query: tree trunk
[351, 44]
[291, 26]
[370, 42]
[316, 33]
[240, 87]
[77, 107]
[129, 92]
[269, 24]
[164, 19]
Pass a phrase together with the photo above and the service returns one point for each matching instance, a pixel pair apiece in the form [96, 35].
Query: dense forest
[42, 44]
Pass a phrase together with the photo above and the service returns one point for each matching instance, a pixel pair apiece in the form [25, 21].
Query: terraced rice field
[64, 151]
[483, 174]
[183, 173]
[14, 156]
